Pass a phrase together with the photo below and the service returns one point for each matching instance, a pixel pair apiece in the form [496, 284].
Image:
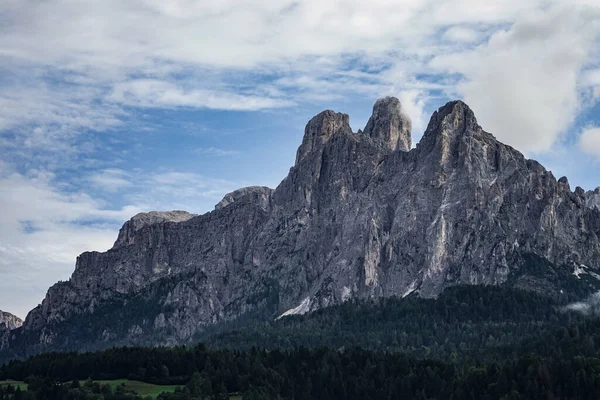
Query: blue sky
[110, 108]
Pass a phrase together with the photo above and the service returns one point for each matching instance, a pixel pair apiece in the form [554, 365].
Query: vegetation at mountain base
[312, 374]
[482, 323]
[472, 342]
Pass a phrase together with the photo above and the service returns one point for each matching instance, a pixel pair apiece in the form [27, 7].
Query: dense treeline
[322, 374]
[470, 343]
[464, 321]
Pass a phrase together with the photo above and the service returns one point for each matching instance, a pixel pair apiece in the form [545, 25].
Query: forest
[469, 343]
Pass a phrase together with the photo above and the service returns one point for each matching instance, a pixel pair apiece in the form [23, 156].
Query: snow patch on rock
[302, 308]
[411, 288]
[579, 270]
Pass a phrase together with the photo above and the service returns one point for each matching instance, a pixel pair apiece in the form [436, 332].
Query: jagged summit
[390, 124]
[389, 127]
[453, 120]
[320, 129]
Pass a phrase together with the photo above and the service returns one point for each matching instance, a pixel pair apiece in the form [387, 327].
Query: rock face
[593, 198]
[360, 214]
[9, 321]
[390, 124]
[127, 233]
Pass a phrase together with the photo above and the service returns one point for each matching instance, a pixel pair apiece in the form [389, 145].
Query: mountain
[9, 321]
[360, 215]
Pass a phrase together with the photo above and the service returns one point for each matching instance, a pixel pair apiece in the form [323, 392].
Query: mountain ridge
[360, 215]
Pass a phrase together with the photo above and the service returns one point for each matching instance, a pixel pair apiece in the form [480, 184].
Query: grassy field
[141, 388]
[20, 384]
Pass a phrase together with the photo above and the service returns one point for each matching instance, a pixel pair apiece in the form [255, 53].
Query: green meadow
[142, 388]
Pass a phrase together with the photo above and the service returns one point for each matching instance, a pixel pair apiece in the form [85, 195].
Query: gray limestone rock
[260, 195]
[9, 321]
[320, 129]
[592, 198]
[390, 124]
[127, 232]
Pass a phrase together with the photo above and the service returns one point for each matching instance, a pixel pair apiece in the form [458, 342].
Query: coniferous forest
[469, 343]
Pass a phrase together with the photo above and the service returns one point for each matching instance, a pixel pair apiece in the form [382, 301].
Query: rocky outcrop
[128, 231]
[360, 214]
[592, 199]
[390, 124]
[259, 195]
[9, 321]
[320, 129]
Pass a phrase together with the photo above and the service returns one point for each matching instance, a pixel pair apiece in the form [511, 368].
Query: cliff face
[9, 321]
[359, 215]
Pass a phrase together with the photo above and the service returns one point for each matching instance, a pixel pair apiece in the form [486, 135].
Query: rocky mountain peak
[592, 198]
[127, 232]
[9, 321]
[453, 130]
[390, 124]
[260, 195]
[454, 119]
[320, 129]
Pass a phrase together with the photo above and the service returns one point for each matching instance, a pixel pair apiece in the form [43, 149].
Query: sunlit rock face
[360, 214]
[9, 321]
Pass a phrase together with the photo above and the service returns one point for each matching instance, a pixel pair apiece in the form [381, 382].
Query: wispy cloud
[110, 180]
[588, 307]
[215, 151]
[162, 94]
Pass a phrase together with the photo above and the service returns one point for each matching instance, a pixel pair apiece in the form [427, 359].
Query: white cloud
[461, 34]
[110, 180]
[591, 77]
[589, 307]
[589, 141]
[46, 115]
[522, 84]
[413, 103]
[155, 93]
